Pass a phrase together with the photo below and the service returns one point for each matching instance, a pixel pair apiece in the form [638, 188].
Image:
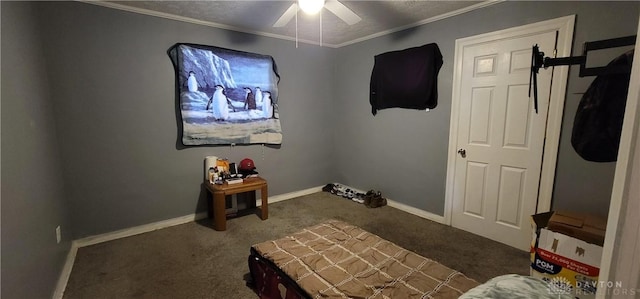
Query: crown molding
[284, 37]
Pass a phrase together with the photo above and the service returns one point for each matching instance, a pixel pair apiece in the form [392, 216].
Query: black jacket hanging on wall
[406, 79]
[598, 123]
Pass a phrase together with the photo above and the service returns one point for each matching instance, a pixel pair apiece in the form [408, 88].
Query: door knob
[462, 152]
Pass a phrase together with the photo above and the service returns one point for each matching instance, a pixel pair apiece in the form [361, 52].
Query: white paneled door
[500, 138]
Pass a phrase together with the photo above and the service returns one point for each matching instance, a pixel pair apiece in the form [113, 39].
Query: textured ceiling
[257, 17]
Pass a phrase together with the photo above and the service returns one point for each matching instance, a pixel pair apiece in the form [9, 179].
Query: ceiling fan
[334, 6]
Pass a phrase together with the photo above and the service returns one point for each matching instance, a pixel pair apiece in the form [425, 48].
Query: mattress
[337, 260]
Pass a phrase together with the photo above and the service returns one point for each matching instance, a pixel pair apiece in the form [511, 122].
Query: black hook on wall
[538, 60]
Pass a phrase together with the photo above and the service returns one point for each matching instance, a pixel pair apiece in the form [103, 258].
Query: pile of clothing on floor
[371, 199]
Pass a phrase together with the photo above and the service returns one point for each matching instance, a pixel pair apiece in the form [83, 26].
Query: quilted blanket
[337, 260]
[514, 286]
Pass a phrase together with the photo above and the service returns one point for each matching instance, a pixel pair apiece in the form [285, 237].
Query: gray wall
[88, 92]
[33, 201]
[114, 100]
[404, 152]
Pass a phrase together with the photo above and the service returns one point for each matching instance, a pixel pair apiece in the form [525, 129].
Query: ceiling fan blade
[287, 16]
[343, 12]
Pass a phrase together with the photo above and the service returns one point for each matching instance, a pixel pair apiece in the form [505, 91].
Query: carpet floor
[194, 261]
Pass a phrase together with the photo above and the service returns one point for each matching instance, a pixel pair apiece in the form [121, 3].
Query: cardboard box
[570, 264]
[585, 227]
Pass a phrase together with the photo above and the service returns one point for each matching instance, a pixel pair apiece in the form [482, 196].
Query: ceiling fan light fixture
[311, 7]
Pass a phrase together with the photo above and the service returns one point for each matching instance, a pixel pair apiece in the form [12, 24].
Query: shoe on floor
[377, 200]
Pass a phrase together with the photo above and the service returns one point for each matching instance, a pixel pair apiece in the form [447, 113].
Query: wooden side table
[219, 193]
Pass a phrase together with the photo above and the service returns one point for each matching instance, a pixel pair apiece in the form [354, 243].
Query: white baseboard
[145, 228]
[415, 211]
[290, 195]
[136, 230]
[407, 208]
[66, 271]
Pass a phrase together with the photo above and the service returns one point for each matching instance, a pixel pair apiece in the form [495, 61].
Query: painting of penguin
[192, 83]
[218, 104]
[258, 95]
[229, 104]
[267, 107]
[250, 100]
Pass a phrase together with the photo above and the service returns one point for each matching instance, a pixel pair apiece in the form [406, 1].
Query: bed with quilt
[335, 259]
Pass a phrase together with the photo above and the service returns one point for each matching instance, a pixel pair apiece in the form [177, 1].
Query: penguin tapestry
[226, 96]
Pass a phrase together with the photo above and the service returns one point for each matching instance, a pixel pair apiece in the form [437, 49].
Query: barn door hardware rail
[538, 60]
